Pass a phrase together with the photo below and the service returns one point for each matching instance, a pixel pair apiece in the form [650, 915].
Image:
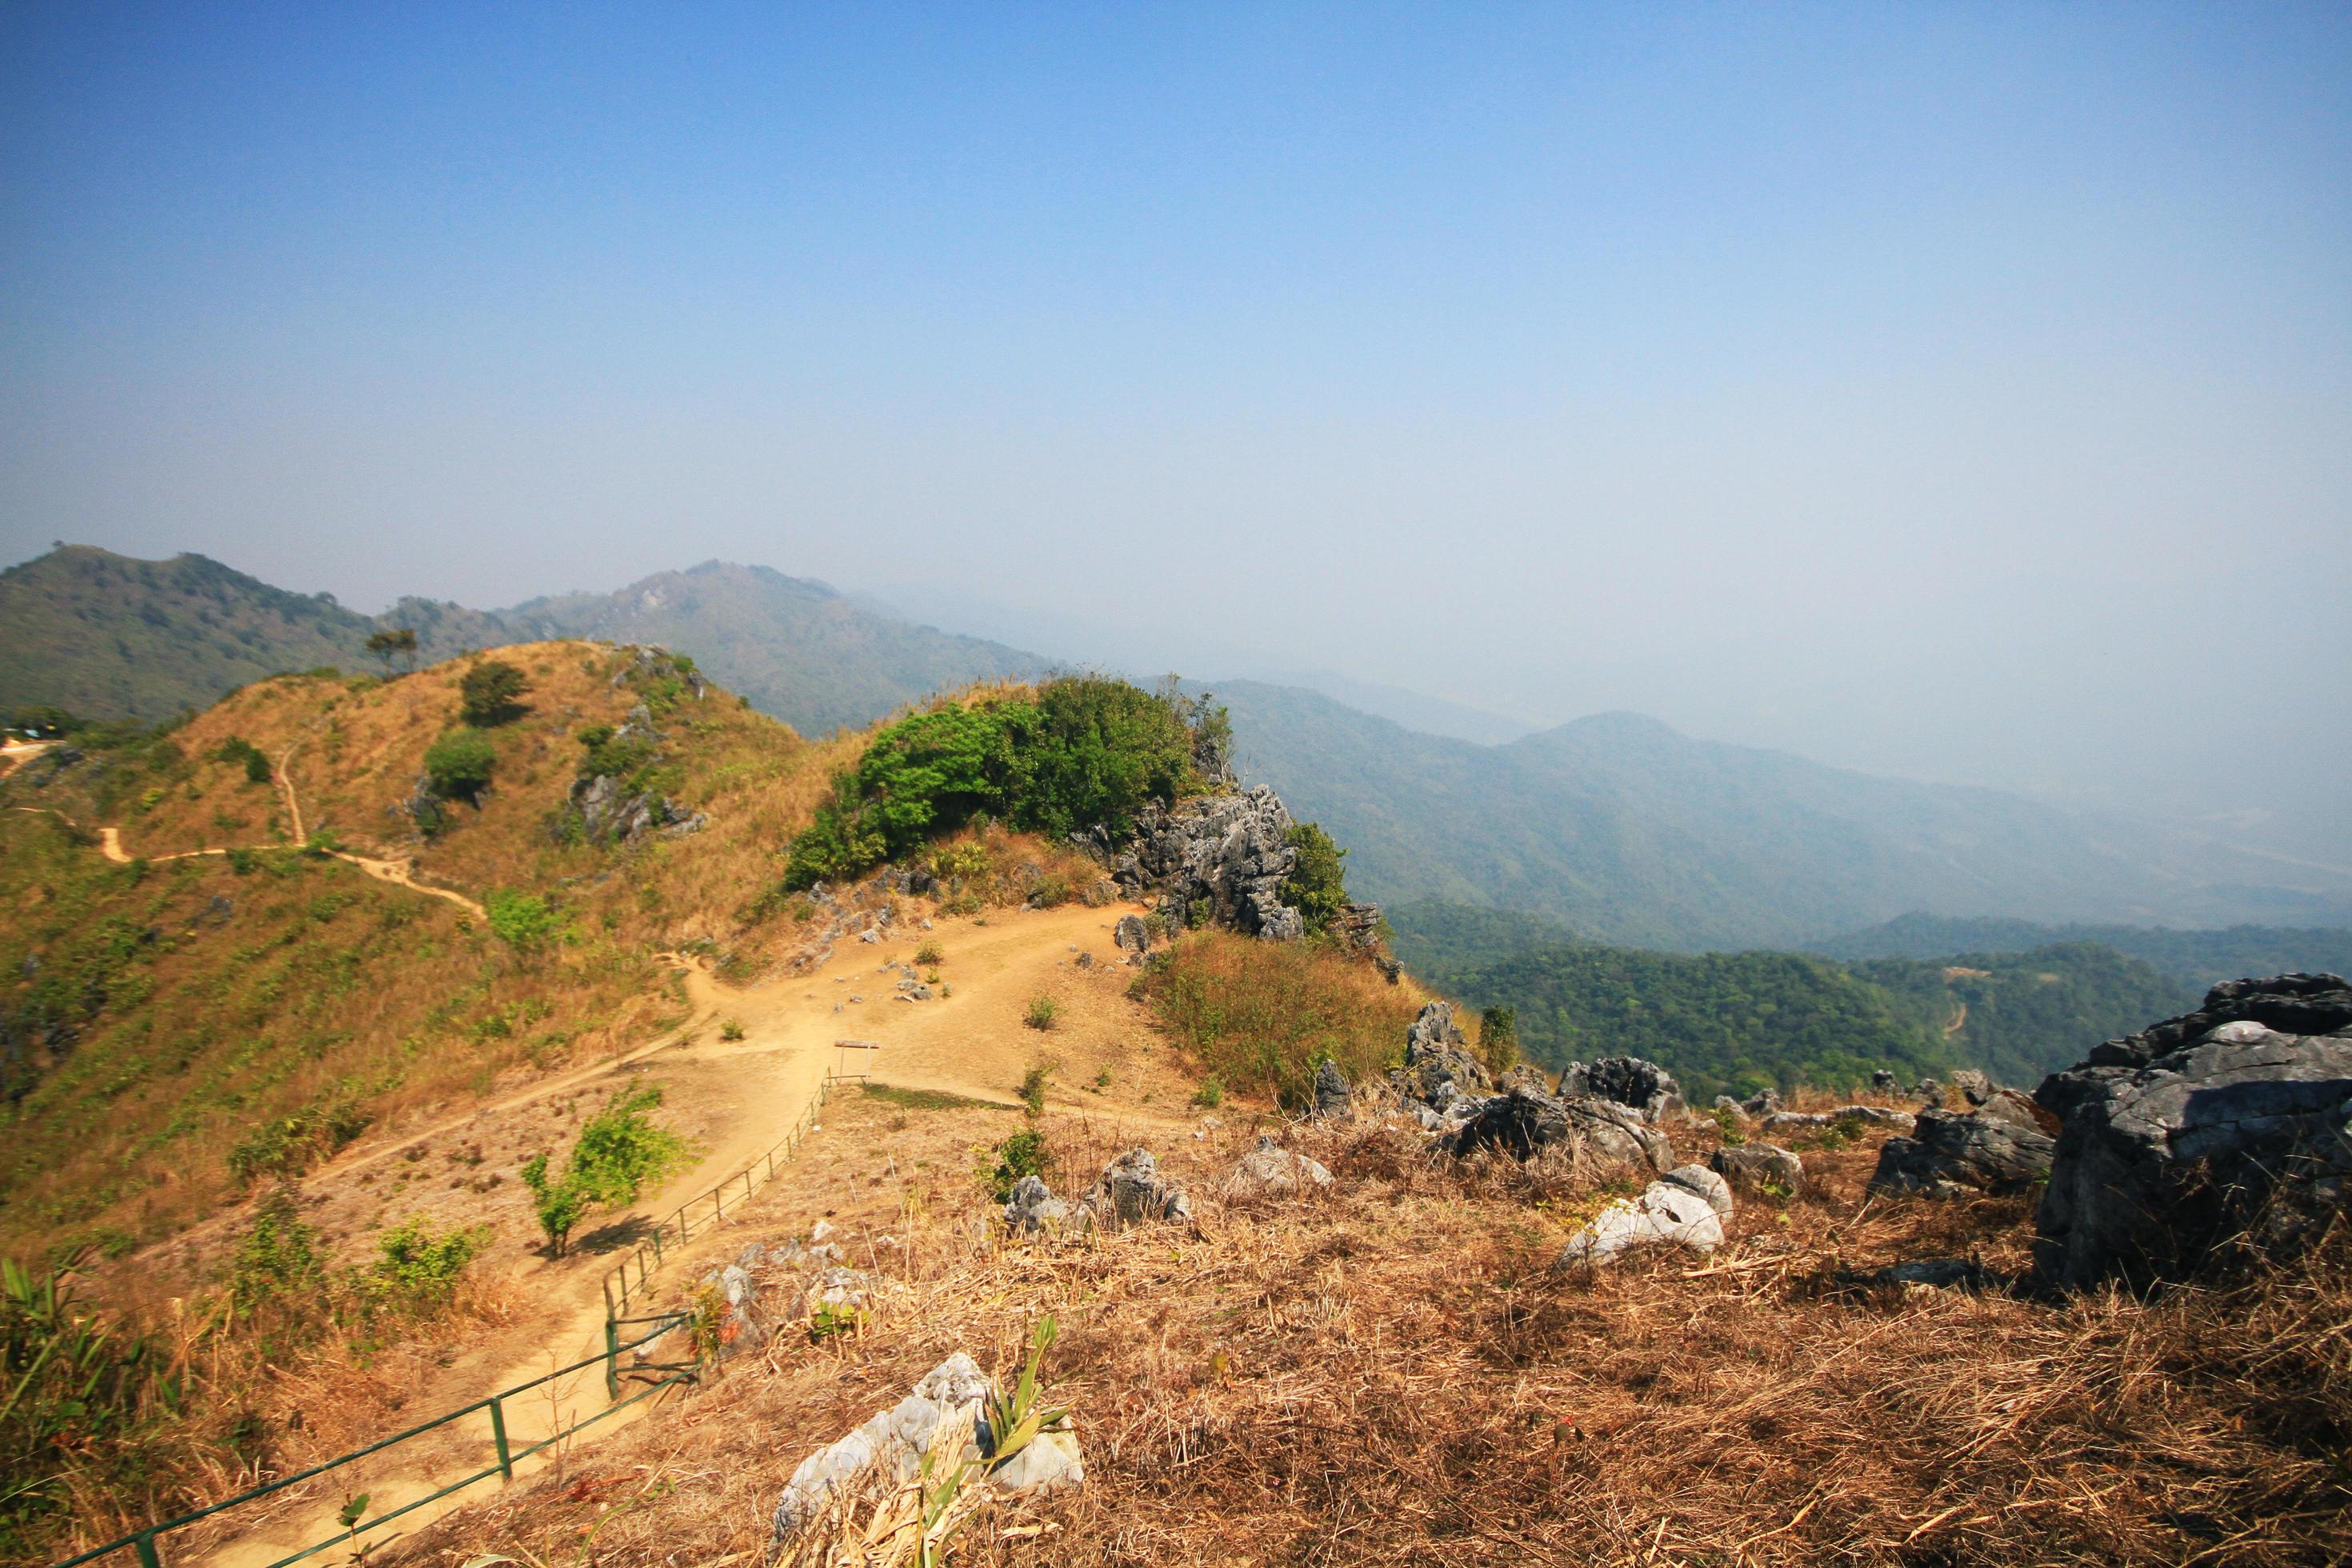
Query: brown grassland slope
[215, 998]
[1392, 1371]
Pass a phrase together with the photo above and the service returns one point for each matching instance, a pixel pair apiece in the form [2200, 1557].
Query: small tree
[458, 765]
[399, 642]
[619, 1151]
[1317, 885]
[487, 695]
[1499, 1038]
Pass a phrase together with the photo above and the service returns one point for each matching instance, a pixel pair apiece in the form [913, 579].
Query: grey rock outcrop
[1665, 1215]
[740, 1324]
[1333, 1094]
[1438, 1067]
[893, 1445]
[1132, 1191]
[1974, 1087]
[1628, 1080]
[1952, 1153]
[1223, 854]
[1884, 1082]
[1523, 1125]
[1032, 1208]
[1521, 1076]
[1752, 1167]
[1132, 933]
[1271, 1168]
[1865, 1115]
[1705, 1183]
[2232, 1121]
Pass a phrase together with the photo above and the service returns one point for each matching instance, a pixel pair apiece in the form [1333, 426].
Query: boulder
[1438, 1067]
[836, 1286]
[1665, 1214]
[1132, 933]
[1884, 1082]
[1132, 1190]
[1521, 1076]
[1032, 1208]
[1753, 1167]
[1973, 1086]
[1332, 1093]
[1699, 1179]
[1523, 1125]
[1763, 1104]
[1954, 1154]
[1271, 1168]
[734, 1303]
[1628, 1080]
[1868, 1115]
[2230, 1124]
[893, 1442]
[1931, 1094]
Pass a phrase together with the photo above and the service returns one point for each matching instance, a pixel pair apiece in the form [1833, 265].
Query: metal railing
[646, 1257]
[689, 1218]
[149, 1556]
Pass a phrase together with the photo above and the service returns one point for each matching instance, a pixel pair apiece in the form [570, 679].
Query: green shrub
[928, 954]
[459, 764]
[1211, 1094]
[1032, 1087]
[1042, 1014]
[276, 1262]
[486, 695]
[289, 1145]
[237, 751]
[619, 1150]
[1022, 1154]
[524, 920]
[1087, 751]
[1499, 1038]
[730, 1030]
[416, 1268]
[1727, 1122]
[1317, 885]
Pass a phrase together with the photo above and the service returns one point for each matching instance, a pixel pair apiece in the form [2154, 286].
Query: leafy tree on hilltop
[458, 765]
[401, 641]
[486, 696]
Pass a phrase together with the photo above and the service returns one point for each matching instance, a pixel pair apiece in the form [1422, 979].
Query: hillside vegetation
[181, 1027]
[2198, 959]
[1737, 1021]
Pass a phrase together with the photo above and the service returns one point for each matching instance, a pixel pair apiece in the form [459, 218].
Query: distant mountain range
[1616, 826]
[1625, 832]
[112, 638]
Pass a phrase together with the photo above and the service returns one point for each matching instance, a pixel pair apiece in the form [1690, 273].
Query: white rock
[1665, 1214]
[1706, 1184]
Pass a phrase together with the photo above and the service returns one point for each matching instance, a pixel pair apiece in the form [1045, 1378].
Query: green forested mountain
[796, 648]
[2021, 1014]
[2195, 958]
[1624, 831]
[108, 638]
[1740, 1018]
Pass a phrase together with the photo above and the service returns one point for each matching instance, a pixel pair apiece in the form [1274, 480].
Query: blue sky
[1963, 391]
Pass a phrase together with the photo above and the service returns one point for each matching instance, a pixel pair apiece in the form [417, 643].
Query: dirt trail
[971, 1043]
[15, 754]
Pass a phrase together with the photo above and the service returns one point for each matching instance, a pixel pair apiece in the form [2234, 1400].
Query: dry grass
[1391, 1372]
[1259, 1014]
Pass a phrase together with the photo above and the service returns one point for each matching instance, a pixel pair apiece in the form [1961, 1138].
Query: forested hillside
[2195, 958]
[1740, 1017]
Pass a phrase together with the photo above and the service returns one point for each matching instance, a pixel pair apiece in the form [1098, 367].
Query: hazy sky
[1957, 392]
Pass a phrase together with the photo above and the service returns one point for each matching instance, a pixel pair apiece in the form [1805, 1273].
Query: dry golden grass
[1391, 1372]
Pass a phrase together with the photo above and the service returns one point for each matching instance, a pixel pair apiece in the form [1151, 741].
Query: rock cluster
[2232, 1121]
[1271, 1168]
[1686, 1208]
[1524, 1124]
[1754, 1167]
[1131, 1191]
[1645, 1086]
[1439, 1072]
[1222, 856]
[893, 1443]
[1952, 1153]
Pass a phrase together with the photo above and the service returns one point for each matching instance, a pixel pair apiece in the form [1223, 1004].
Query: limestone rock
[1522, 1125]
[1751, 1167]
[836, 1286]
[1974, 1087]
[1438, 1067]
[1132, 1190]
[894, 1441]
[1869, 1115]
[2235, 1120]
[1271, 1168]
[1223, 855]
[1884, 1082]
[1665, 1214]
[1953, 1153]
[1032, 1208]
[1628, 1080]
[1332, 1093]
[1705, 1183]
[1521, 1076]
[1132, 933]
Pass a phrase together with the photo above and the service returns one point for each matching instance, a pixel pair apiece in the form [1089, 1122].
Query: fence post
[498, 1433]
[611, 1359]
[148, 1558]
